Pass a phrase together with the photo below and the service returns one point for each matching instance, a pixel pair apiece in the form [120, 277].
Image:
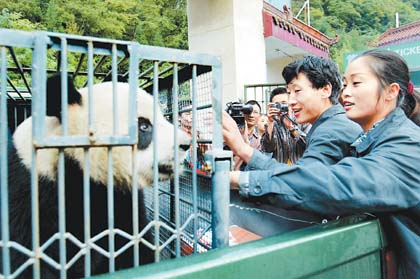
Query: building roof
[403, 34]
[288, 22]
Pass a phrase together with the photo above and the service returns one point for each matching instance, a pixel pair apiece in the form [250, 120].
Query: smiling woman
[382, 177]
[373, 88]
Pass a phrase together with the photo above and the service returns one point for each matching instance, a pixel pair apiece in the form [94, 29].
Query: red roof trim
[406, 33]
[296, 26]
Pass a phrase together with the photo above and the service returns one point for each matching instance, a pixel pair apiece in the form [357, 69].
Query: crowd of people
[346, 168]
[331, 146]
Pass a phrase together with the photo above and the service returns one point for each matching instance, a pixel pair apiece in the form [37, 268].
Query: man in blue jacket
[314, 85]
[382, 177]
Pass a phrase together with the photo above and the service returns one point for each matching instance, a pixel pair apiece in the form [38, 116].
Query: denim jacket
[328, 141]
[383, 178]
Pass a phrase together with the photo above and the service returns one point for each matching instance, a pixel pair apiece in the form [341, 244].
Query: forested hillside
[152, 22]
[357, 22]
[164, 22]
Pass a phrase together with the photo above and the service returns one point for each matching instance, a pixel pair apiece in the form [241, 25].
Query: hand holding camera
[276, 111]
[233, 138]
[237, 110]
[280, 112]
[282, 108]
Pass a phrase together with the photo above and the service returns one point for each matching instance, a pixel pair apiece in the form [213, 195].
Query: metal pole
[220, 198]
[4, 168]
[221, 159]
[309, 14]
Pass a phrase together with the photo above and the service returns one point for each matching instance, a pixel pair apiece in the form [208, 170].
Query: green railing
[348, 248]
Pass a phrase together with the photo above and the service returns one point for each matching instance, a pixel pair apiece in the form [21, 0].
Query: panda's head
[78, 103]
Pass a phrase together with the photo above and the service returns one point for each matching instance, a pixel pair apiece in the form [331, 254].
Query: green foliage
[16, 20]
[152, 22]
[89, 17]
[357, 22]
[29, 9]
[164, 22]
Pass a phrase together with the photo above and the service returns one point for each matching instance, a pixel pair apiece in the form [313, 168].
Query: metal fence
[260, 93]
[180, 211]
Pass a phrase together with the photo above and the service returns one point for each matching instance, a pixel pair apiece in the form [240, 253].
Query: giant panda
[20, 174]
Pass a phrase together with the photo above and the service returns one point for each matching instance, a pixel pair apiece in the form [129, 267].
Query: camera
[237, 110]
[283, 108]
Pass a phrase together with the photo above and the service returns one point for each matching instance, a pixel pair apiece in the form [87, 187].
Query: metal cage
[180, 210]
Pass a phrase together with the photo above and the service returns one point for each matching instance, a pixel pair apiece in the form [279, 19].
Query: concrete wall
[233, 30]
[275, 68]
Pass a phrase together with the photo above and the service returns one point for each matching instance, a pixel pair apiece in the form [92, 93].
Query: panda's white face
[103, 126]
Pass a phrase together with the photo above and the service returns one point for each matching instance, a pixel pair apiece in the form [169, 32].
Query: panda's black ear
[54, 95]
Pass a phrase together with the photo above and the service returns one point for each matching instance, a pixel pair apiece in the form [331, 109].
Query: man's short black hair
[319, 71]
[253, 102]
[277, 91]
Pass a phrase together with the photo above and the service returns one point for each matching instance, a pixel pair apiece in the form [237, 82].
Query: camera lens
[282, 107]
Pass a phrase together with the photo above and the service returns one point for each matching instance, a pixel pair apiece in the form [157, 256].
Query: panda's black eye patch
[145, 133]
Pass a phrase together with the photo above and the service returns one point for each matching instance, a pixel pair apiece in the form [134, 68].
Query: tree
[357, 22]
[160, 22]
[89, 17]
[164, 22]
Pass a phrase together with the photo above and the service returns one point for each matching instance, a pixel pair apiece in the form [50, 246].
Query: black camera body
[283, 108]
[237, 111]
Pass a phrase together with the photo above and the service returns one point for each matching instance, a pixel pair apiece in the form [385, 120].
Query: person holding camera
[314, 84]
[283, 140]
[381, 177]
[251, 121]
[249, 131]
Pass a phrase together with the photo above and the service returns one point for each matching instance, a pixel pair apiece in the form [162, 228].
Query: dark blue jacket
[384, 180]
[328, 140]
